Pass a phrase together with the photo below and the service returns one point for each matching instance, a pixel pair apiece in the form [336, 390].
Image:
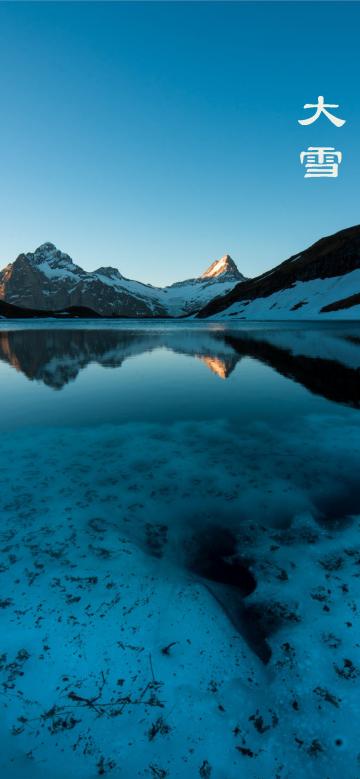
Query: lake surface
[180, 553]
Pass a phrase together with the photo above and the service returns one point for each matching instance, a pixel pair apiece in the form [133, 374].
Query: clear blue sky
[158, 137]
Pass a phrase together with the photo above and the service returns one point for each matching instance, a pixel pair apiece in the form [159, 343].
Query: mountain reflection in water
[180, 549]
[324, 360]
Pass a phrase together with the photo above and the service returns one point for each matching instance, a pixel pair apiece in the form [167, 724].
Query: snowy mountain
[322, 282]
[49, 280]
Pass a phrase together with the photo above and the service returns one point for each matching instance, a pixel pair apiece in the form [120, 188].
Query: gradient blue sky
[156, 137]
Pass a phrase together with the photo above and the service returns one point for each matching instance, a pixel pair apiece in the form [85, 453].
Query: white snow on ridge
[176, 299]
[218, 267]
[180, 299]
[313, 295]
[109, 292]
[57, 272]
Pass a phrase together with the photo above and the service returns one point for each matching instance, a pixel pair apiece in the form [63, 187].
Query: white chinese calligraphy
[321, 161]
[321, 108]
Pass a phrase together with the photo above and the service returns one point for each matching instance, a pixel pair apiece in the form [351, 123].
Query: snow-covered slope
[323, 282]
[48, 279]
[317, 299]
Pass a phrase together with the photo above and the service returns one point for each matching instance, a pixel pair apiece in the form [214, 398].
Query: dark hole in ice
[215, 558]
[258, 625]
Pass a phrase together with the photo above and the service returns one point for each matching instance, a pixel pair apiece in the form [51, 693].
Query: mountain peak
[324, 278]
[49, 279]
[46, 247]
[223, 267]
[109, 272]
[47, 252]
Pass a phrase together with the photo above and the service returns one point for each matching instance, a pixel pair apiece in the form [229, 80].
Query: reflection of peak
[327, 364]
[224, 266]
[7, 353]
[56, 357]
[221, 366]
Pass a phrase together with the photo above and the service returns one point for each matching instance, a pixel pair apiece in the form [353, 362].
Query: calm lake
[180, 550]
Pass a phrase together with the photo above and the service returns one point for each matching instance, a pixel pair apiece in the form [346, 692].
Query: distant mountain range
[321, 282]
[49, 280]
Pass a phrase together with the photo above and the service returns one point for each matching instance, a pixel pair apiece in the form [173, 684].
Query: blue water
[188, 484]
[89, 375]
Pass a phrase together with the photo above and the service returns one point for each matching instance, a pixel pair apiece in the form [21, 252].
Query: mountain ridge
[48, 279]
[328, 366]
[322, 279]
[320, 282]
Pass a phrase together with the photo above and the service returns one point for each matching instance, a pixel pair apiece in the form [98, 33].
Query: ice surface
[121, 652]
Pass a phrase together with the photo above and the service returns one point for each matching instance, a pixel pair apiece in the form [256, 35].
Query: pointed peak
[224, 266]
[48, 252]
[109, 272]
[221, 366]
[46, 247]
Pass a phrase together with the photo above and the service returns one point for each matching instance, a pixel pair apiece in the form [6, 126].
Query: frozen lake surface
[180, 550]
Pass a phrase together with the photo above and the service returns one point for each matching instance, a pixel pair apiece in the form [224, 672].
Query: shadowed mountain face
[321, 282]
[322, 279]
[328, 365]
